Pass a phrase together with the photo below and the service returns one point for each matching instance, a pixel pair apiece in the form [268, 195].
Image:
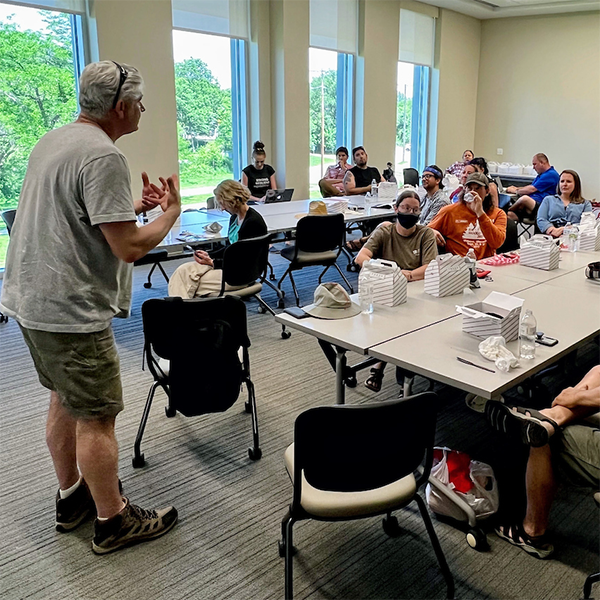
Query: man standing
[435, 198]
[358, 179]
[531, 196]
[68, 274]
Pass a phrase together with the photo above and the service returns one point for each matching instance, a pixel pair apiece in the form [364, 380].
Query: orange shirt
[463, 230]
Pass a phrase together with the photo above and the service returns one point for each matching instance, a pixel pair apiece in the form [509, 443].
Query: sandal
[374, 380]
[516, 535]
[355, 245]
[521, 423]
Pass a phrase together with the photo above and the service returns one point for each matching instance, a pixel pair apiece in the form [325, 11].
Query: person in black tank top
[259, 176]
[359, 178]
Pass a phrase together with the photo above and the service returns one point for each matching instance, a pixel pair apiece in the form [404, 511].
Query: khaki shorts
[83, 368]
[577, 454]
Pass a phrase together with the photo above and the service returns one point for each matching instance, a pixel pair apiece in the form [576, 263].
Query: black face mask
[407, 220]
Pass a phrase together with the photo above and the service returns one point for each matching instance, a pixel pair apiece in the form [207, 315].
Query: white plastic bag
[494, 349]
[483, 497]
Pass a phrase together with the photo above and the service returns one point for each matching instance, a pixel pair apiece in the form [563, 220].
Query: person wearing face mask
[473, 222]
[410, 245]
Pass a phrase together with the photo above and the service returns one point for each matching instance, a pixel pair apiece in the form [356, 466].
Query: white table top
[568, 314]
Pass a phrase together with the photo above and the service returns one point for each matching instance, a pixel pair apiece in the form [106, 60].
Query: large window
[333, 41]
[414, 83]
[40, 59]
[209, 50]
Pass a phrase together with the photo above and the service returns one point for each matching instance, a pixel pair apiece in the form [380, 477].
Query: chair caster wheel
[272, 277]
[281, 549]
[3, 319]
[286, 335]
[350, 382]
[248, 407]
[280, 303]
[391, 526]
[147, 285]
[170, 412]
[477, 539]
[138, 461]
[254, 453]
[352, 268]
[261, 310]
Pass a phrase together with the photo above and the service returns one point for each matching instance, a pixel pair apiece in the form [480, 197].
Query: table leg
[340, 369]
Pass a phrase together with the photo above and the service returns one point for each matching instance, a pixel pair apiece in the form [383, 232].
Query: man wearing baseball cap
[472, 222]
[435, 199]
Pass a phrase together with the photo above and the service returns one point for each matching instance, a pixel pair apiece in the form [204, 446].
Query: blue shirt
[553, 213]
[545, 184]
[234, 231]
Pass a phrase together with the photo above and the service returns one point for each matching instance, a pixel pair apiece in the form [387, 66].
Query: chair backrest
[320, 233]
[246, 260]
[350, 448]
[8, 216]
[410, 176]
[201, 338]
[511, 242]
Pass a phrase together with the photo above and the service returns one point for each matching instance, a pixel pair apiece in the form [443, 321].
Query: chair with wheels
[8, 216]
[411, 176]
[154, 258]
[245, 264]
[192, 348]
[594, 577]
[357, 461]
[319, 242]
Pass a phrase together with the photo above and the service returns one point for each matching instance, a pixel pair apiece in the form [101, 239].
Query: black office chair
[357, 461]
[154, 258]
[319, 241]
[411, 176]
[511, 242]
[8, 216]
[192, 349]
[594, 577]
[245, 264]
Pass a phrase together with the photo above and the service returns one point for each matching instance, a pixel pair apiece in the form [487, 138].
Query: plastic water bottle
[471, 260]
[571, 233]
[374, 189]
[527, 329]
[365, 295]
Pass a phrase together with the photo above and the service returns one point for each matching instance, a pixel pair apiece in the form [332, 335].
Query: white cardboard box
[389, 283]
[589, 238]
[540, 252]
[447, 275]
[504, 320]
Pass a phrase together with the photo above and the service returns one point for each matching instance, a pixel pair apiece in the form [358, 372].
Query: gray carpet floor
[225, 545]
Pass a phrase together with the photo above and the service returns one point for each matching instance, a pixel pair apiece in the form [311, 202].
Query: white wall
[539, 91]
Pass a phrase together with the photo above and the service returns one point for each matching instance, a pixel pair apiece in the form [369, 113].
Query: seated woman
[204, 276]
[468, 170]
[410, 245]
[457, 167]
[481, 166]
[259, 176]
[333, 182]
[566, 206]
[476, 224]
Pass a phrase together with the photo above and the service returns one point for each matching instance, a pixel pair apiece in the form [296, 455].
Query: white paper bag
[498, 314]
[540, 252]
[387, 190]
[589, 232]
[336, 206]
[447, 275]
[387, 279]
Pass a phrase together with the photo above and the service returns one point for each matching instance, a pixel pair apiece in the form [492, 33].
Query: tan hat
[478, 178]
[315, 208]
[332, 302]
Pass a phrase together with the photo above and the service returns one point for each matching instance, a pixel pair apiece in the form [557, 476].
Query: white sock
[107, 518]
[66, 493]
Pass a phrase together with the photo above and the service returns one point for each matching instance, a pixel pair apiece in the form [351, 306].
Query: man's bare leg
[98, 458]
[525, 204]
[541, 487]
[61, 429]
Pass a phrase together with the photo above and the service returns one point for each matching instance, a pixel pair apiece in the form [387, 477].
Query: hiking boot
[536, 546]
[72, 511]
[132, 525]
[75, 509]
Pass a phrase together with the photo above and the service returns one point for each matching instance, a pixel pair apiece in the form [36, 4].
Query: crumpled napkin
[494, 349]
[213, 227]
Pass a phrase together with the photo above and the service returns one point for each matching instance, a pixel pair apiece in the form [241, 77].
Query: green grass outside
[3, 247]
[315, 159]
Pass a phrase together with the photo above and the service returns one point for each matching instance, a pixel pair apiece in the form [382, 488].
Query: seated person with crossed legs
[410, 245]
[560, 444]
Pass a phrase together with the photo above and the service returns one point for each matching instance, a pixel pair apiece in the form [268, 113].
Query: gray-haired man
[68, 274]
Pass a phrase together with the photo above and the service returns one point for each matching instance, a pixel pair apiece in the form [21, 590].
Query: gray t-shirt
[61, 274]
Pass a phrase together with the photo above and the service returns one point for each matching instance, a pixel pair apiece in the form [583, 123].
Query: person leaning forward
[68, 273]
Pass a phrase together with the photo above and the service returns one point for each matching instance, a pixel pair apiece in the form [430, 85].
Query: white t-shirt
[61, 274]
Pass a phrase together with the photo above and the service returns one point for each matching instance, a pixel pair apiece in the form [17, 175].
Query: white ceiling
[494, 9]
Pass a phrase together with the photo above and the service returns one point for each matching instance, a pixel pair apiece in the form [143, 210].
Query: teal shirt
[234, 230]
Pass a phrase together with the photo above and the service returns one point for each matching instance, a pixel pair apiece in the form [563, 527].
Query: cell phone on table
[296, 312]
[189, 249]
[545, 340]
